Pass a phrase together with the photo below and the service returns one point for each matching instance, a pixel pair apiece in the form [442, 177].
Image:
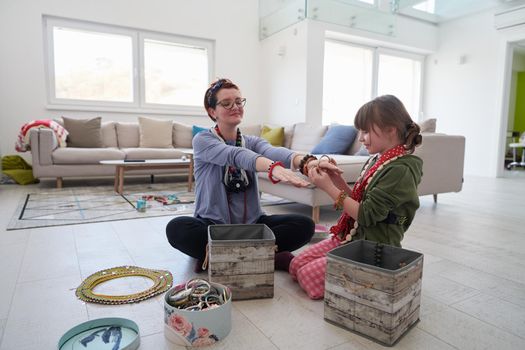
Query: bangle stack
[340, 202]
[270, 171]
[303, 165]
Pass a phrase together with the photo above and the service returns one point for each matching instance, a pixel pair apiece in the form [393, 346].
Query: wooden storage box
[242, 257]
[381, 302]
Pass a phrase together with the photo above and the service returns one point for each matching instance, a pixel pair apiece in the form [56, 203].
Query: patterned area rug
[79, 205]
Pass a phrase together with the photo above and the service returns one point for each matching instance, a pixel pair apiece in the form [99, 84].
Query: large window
[93, 66]
[355, 74]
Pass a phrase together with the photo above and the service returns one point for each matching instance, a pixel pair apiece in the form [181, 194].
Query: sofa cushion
[74, 155]
[128, 135]
[109, 134]
[155, 133]
[428, 125]
[182, 135]
[337, 140]
[83, 132]
[152, 153]
[254, 130]
[275, 136]
[306, 136]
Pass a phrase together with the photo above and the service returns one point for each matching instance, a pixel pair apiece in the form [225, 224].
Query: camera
[236, 181]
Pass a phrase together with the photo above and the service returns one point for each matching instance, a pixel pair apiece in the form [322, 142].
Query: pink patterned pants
[309, 267]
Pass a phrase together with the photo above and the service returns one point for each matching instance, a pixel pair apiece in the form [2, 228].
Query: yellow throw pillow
[274, 136]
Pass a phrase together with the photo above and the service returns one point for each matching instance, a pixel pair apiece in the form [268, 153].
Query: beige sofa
[443, 157]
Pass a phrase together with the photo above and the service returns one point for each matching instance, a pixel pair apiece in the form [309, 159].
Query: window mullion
[139, 71]
[375, 72]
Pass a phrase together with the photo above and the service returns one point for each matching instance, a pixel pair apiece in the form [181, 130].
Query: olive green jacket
[390, 201]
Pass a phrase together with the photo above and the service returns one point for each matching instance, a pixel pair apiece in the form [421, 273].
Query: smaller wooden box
[381, 302]
[242, 257]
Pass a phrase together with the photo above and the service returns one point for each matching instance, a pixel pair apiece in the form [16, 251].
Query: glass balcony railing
[275, 15]
[368, 15]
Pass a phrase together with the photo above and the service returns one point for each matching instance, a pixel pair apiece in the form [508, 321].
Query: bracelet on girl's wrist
[270, 171]
[340, 201]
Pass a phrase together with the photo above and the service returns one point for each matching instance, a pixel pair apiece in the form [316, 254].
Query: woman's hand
[288, 176]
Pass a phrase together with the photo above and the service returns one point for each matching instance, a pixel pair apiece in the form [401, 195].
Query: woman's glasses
[228, 104]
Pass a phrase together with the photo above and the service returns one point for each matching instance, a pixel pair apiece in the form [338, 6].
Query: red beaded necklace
[346, 222]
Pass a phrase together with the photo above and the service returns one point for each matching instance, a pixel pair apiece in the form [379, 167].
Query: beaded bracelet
[304, 162]
[340, 202]
[305, 169]
[270, 171]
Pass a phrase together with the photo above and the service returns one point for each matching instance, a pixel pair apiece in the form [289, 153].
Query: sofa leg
[59, 182]
[315, 214]
[435, 197]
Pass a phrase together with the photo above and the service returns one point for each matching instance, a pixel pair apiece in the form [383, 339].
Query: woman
[226, 191]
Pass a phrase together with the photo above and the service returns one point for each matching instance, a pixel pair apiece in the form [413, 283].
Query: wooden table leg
[115, 186]
[120, 179]
[315, 214]
[190, 174]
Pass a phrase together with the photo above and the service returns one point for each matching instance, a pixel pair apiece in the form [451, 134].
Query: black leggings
[190, 235]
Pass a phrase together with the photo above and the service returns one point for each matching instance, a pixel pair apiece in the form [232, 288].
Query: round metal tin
[110, 333]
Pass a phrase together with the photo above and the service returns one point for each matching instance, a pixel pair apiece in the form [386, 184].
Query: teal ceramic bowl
[110, 333]
[197, 328]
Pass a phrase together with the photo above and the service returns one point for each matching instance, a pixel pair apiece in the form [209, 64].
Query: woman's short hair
[210, 97]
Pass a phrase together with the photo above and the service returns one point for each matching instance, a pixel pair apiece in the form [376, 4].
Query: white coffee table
[121, 166]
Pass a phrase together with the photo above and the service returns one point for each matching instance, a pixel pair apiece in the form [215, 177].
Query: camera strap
[229, 170]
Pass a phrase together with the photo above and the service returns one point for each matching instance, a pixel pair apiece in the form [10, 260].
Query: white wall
[293, 84]
[233, 24]
[283, 81]
[470, 98]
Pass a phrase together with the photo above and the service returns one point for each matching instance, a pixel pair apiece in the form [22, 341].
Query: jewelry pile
[162, 281]
[197, 295]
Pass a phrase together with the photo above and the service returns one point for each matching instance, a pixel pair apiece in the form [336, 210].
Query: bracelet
[270, 171]
[330, 159]
[305, 169]
[339, 203]
[304, 162]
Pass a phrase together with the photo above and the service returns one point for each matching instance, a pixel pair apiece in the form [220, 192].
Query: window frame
[377, 50]
[138, 105]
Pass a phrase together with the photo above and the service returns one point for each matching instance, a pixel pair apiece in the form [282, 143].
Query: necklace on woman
[346, 226]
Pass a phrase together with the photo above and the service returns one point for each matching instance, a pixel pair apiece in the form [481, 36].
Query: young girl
[382, 203]
[226, 191]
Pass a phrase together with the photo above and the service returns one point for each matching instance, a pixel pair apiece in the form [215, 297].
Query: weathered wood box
[242, 257]
[373, 289]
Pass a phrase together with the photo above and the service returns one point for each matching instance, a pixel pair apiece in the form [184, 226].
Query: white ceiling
[446, 10]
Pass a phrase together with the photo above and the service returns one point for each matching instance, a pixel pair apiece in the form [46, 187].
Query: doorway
[515, 125]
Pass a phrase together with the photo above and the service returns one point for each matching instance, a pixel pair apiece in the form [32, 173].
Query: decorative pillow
[362, 152]
[274, 136]
[182, 135]
[337, 140]
[155, 133]
[128, 135]
[428, 125]
[84, 133]
[197, 129]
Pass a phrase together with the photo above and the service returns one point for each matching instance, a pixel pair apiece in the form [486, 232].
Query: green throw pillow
[274, 136]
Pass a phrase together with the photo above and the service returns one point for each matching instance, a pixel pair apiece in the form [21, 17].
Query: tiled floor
[473, 278]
